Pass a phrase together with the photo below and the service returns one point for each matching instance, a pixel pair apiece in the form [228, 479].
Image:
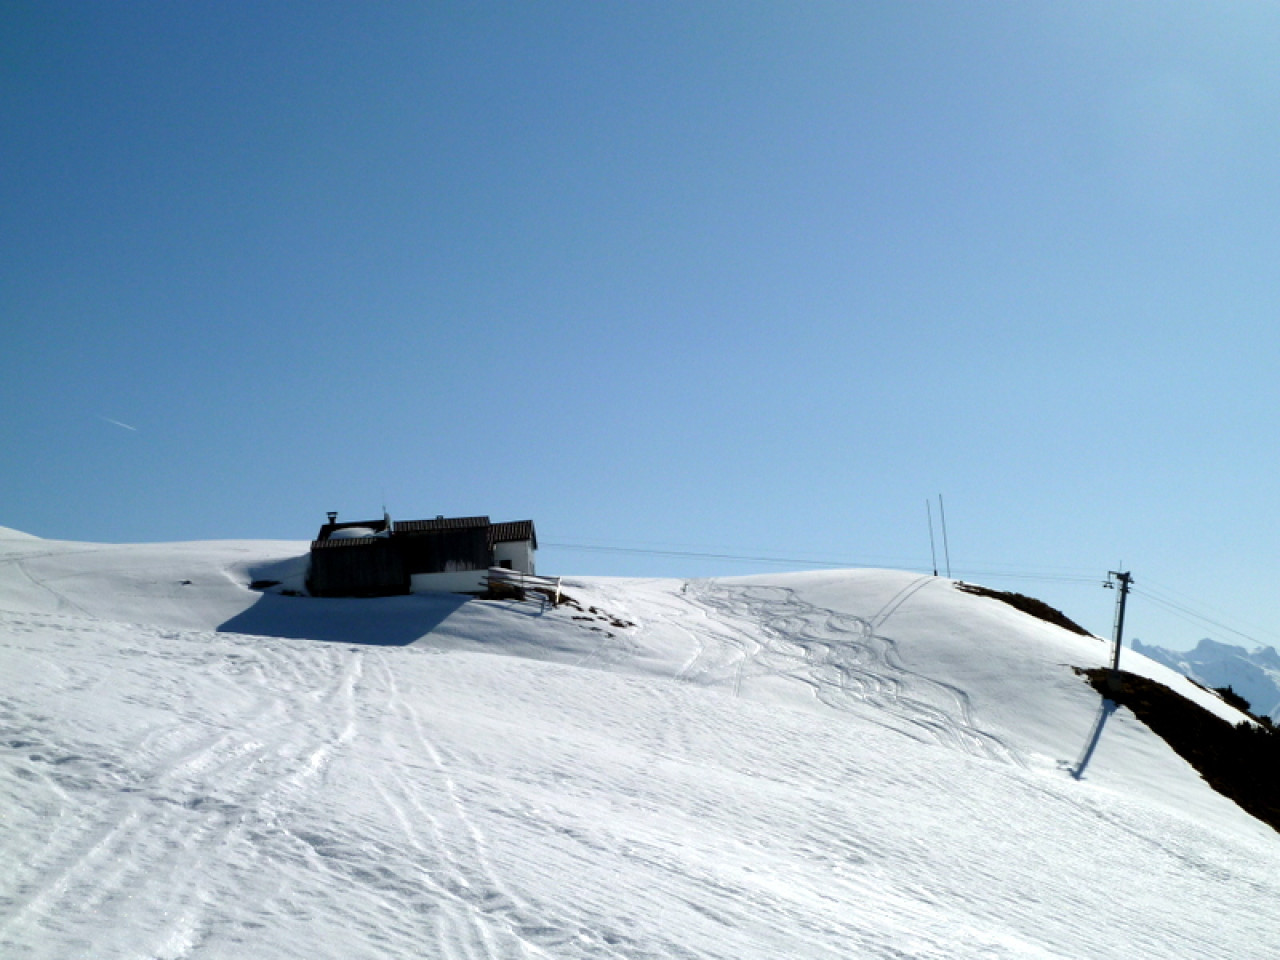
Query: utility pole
[945, 548]
[1125, 580]
[932, 550]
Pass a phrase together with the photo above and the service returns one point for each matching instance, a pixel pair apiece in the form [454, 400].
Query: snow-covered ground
[826, 765]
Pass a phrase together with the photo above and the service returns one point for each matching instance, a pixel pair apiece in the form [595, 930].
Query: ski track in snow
[844, 660]
[182, 794]
[187, 787]
[196, 796]
[478, 914]
[20, 564]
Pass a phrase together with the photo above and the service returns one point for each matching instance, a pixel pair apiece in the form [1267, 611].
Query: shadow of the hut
[381, 621]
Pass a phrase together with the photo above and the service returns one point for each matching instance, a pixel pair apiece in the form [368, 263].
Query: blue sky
[744, 279]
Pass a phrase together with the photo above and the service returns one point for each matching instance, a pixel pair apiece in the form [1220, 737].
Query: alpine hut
[378, 558]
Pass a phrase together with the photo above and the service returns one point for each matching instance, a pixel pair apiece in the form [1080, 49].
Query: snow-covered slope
[1255, 676]
[849, 764]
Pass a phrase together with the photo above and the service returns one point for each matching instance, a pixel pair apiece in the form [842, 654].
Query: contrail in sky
[117, 423]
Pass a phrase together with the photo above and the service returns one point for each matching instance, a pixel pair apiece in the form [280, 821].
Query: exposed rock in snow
[1255, 676]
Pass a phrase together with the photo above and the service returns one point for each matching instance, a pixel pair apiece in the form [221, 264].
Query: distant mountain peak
[1255, 676]
[1267, 656]
[1209, 646]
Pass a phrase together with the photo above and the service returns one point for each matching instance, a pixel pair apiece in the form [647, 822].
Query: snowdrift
[837, 764]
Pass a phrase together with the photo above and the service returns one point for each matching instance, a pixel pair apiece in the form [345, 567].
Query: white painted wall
[519, 553]
[454, 581]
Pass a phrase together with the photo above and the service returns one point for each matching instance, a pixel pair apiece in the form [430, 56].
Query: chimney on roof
[333, 516]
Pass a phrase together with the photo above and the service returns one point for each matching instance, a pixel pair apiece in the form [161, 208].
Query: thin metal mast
[933, 552]
[946, 550]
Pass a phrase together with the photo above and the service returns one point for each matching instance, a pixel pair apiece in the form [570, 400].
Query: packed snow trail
[761, 636]
[360, 801]
[562, 784]
[849, 658]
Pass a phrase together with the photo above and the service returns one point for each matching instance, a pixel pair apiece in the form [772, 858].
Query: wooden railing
[500, 580]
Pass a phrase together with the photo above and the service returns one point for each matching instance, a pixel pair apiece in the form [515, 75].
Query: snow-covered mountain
[821, 765]
[1255, 676]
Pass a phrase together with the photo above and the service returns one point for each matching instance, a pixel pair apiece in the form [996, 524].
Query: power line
[1022, 574]
[1173, 595]
[755, 558]
[697, 555]
[1191, 615]
[1035, 577]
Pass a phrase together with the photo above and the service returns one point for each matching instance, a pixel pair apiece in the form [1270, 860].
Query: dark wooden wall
[357, 568]
[438, 550]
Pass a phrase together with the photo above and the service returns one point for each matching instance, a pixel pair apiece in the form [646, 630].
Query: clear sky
[743, 279]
